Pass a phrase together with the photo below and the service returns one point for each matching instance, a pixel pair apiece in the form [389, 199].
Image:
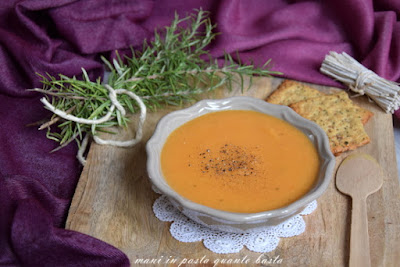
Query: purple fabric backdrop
[61, 36]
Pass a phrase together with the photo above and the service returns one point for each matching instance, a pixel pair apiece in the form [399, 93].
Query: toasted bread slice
[290, 92]
[360, 112]
[338, 117]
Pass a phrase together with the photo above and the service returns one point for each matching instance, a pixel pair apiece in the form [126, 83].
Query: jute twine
[114, 104]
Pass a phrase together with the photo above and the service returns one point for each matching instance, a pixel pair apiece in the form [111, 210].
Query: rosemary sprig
[172, 69]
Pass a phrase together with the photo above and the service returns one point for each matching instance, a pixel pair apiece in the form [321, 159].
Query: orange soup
[239, 161]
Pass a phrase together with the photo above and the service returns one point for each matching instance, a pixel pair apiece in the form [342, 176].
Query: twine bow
[362, 81]
[114, 104]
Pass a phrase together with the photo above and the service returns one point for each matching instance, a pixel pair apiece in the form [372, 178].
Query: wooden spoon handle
[359, 238]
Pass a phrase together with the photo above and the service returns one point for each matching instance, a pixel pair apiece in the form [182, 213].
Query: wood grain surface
[113, 202]
[359, 176]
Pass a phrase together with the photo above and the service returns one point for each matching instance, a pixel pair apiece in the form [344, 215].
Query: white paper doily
[261, 240]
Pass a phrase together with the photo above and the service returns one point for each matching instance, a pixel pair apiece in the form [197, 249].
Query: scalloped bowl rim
[211, 105]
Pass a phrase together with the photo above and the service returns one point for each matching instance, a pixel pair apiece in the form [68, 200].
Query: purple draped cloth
[62, 36]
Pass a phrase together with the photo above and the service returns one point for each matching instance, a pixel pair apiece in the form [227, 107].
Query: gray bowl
[230, 221]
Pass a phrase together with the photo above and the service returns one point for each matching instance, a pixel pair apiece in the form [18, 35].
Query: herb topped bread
[290, 92]
[338, 117]
[336, 114]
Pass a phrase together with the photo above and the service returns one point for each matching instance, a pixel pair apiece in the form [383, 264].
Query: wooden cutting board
[113, 202]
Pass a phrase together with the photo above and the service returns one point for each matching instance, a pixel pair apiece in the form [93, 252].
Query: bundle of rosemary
[172, 70]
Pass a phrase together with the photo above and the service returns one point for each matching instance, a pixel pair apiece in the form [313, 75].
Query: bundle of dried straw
[361, 80]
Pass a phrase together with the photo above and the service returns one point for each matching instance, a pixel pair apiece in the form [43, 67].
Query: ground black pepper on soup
[239, 161]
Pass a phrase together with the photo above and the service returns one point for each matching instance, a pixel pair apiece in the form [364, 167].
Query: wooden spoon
[359, 176]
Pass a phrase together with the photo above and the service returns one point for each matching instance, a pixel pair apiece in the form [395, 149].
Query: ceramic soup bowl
[231, 221]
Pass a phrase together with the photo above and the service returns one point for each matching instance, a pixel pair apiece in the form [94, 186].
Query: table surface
[396, 131]
[113, 202]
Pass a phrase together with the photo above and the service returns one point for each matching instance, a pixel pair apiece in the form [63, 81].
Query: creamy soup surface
[239, 161]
